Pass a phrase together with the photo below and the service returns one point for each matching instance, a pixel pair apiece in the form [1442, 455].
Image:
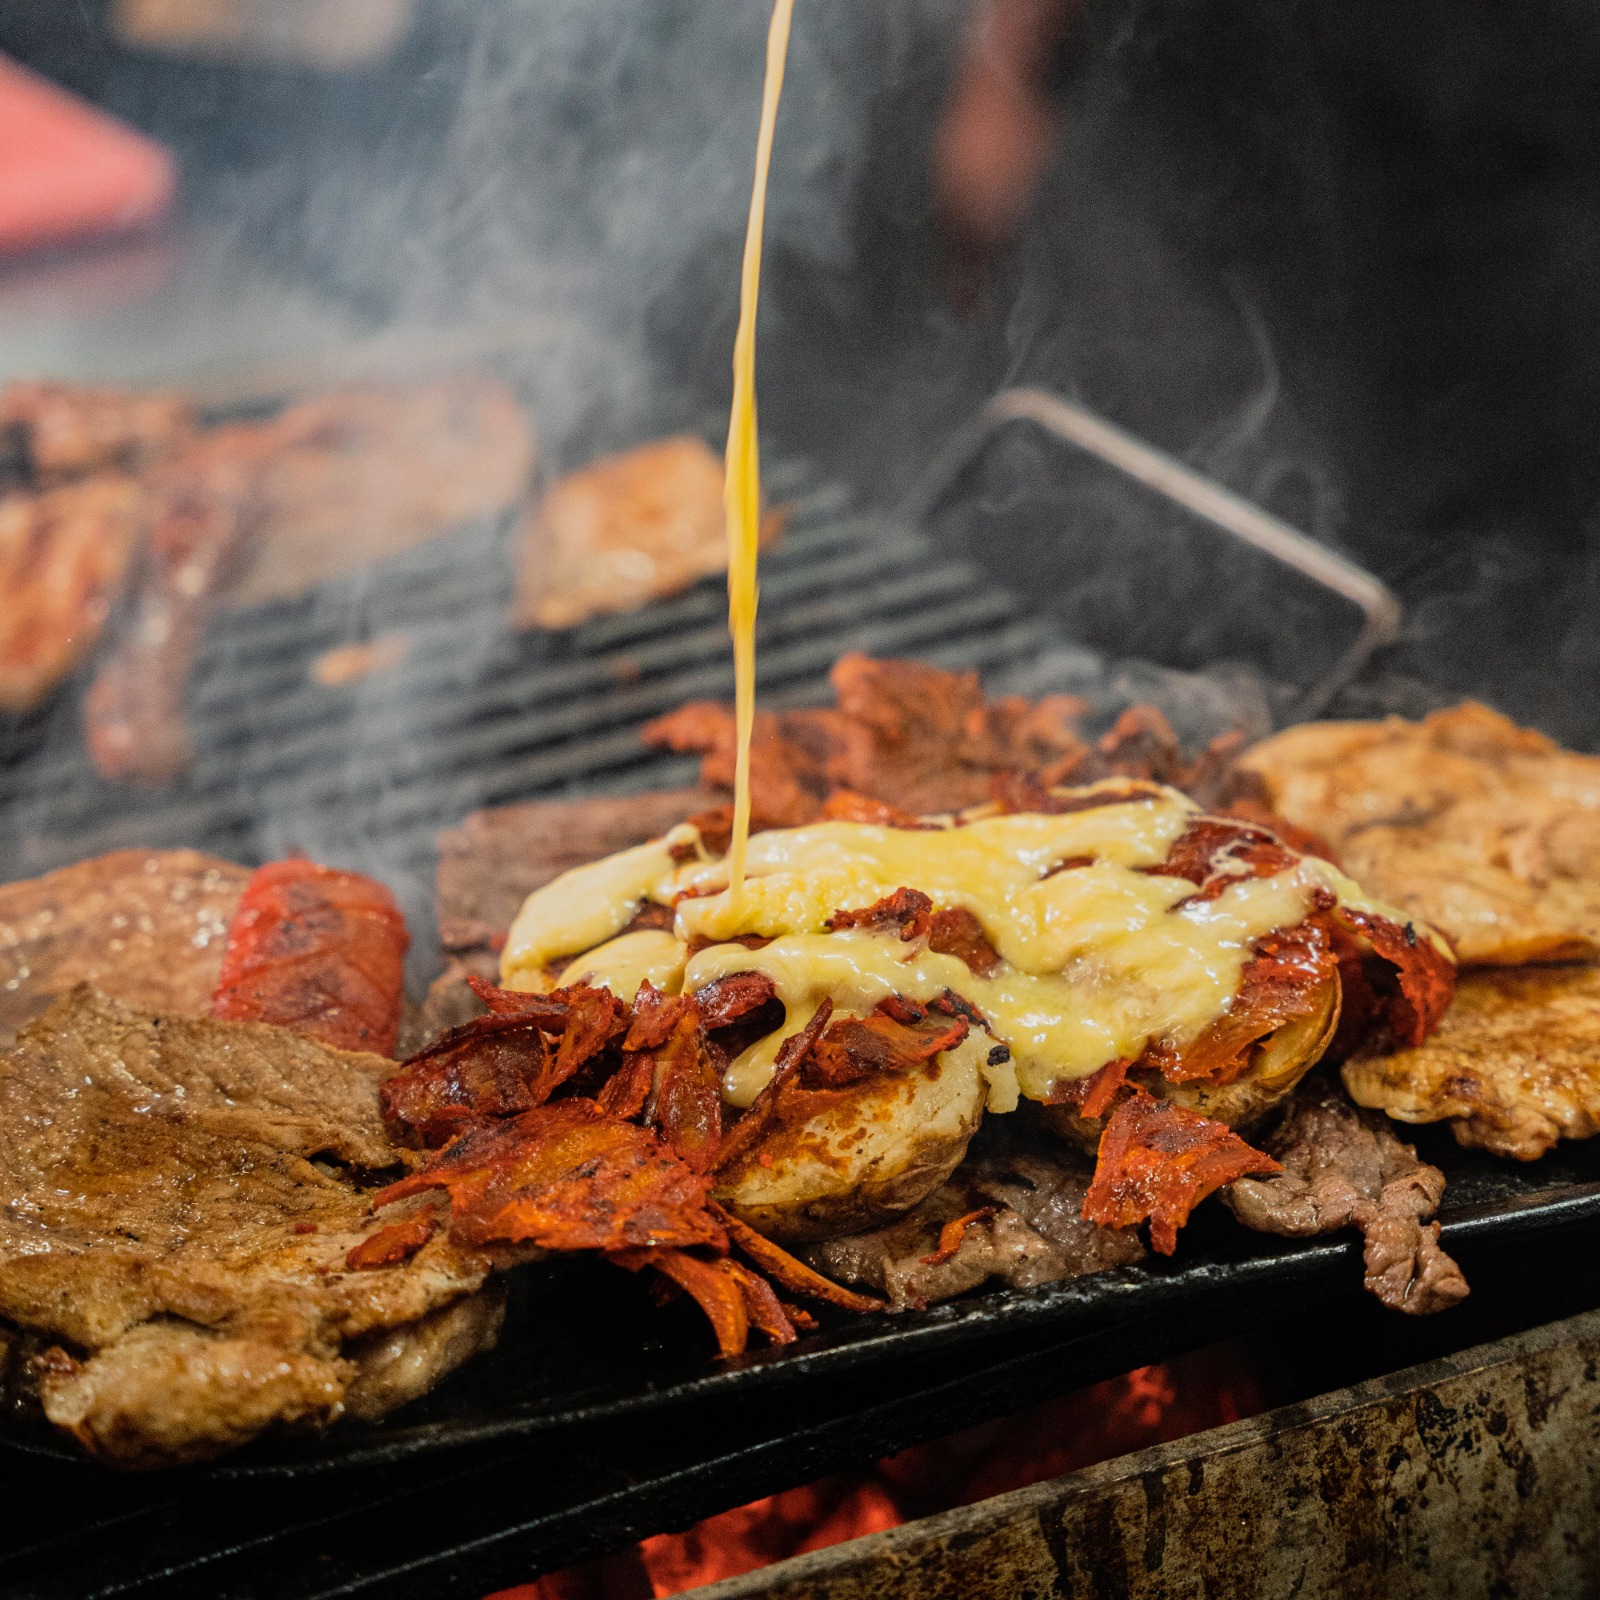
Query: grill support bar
[1474, 1475]
[1207, 499]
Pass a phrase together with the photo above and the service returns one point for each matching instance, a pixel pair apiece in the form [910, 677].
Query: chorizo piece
[319, 951]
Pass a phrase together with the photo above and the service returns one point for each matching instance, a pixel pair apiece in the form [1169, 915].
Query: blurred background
[1340, 257]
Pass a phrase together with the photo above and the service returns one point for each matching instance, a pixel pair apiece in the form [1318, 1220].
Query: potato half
[869, 1153]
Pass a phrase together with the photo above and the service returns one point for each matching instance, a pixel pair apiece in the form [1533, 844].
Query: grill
[365, 774]
[477, 715]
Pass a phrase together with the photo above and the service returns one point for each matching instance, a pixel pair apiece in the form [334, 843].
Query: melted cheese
[1098, 958]
[587, 906]
[649, 955]
[742, 489]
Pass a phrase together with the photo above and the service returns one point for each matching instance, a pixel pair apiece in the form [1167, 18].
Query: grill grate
[365, 774]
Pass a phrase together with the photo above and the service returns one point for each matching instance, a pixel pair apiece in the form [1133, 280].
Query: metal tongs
[1134, 458]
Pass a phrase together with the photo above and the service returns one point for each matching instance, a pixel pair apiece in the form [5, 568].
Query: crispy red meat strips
[688, 1094]
[488, 1067]
[920, 741]
[954, 931]
[579, 1174]
[1213, 854]
[725, 1000]
[860, 1047]
[319, 951]
[794, 1275]
[954, 1232]
[1248, 809]
[731, 1295]
[567, 1177]
[1283, 980]
[904, 912]
[1093, 1095]
[1158, 1161]
[1425, 980]
[392, 1245]
[792, 1055]
[501, 1064]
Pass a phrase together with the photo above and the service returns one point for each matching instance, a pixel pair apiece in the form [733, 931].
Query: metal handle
[1182, 485]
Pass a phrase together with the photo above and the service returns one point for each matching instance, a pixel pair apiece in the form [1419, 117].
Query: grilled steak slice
[497, 858]
[183, 1197]
[1345, 1168]
[147, 926]
[1027, 1228]
[361, 474]
[63, 555]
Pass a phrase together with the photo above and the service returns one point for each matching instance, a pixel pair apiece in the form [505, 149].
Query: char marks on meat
[1344, 1168]
[145, 926]
[184, 1194]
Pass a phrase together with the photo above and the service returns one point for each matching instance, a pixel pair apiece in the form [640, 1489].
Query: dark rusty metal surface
[1476, 1475]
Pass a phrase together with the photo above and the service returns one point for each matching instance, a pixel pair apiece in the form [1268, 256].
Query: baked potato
[866, 1154]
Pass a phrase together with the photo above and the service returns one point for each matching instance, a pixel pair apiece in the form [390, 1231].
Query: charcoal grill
[595, 1424]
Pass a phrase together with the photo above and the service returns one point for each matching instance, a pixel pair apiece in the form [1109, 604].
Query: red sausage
[319, 951]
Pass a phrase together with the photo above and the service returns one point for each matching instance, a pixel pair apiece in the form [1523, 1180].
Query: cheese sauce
[742, 489]
[1097, 958]
[1098, 954]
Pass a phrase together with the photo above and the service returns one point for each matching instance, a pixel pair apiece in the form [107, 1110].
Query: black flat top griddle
[601, 1418]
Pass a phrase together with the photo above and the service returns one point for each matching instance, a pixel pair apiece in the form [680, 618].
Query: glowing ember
[1148, 1406]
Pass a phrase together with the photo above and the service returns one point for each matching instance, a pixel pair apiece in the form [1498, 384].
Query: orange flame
[1150, 1405]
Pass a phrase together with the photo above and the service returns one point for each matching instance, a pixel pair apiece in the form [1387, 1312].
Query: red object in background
[1148, 1406]
[69, 172]
[319, 951]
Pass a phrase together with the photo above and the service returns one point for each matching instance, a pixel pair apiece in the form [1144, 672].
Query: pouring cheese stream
[742, 489]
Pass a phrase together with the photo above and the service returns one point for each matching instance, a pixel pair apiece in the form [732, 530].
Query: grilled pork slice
[1514, 1067]
[627, 529]
[188, 1244]
[63, 554]
[1488, 831]
[146, 926]
[59, 430]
